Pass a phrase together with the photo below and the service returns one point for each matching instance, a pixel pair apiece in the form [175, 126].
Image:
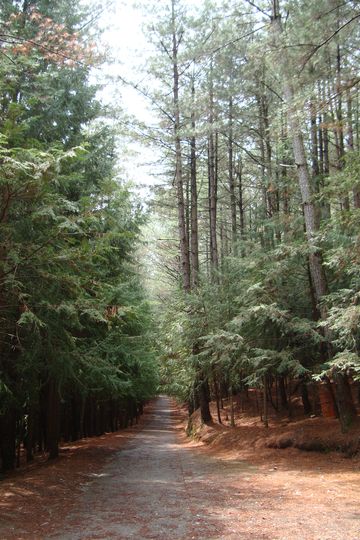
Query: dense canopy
[240, 272]
[76, 355]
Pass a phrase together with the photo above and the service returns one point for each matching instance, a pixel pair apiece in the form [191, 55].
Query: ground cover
[233, 487]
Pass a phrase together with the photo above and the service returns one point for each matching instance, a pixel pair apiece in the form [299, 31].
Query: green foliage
[345, 362]
[273, 117]
[72, 307]
[244, 327]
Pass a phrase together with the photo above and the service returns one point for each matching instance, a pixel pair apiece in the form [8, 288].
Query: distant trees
[267, 122]
[75, 354]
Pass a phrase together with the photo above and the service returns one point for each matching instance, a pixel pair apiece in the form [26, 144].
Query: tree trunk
[217, 398]
[203, 395]
[320, 135]
[265, 404]
[350, 145]
[241, 199]
[346, 411]
[283, 394]
[212, 166]
[345, 203]
[314, 146]
[30, 428]
[314, 157]
[325, 134]
[231, 178]
[232, 415]
[183, 235]
[194, 201]
[52, 419]
[305, 398]
[8, 440]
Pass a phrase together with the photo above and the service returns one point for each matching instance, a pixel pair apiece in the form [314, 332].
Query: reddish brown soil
[37, 498]
[153, 482]
[311, 494]
[314, 434]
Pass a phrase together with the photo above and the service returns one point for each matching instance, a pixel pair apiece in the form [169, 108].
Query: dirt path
[157, 488]
[157, 485]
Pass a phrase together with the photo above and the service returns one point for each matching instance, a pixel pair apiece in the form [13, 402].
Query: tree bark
[183, 235]
[232, 178]
[265, 404]
[346, 408]
[194, 197]
[232, 411]
[350, 145]
[8, 440]
[203, 395]
[305, 398]
[241, 199]
[212, 170]
[52, 419]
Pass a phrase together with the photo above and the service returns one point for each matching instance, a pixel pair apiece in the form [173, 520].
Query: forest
[258, 109]
[241, 273]
[76, 355]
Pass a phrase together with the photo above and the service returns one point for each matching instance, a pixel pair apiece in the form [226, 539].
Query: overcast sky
[125, 43]
[123, 33]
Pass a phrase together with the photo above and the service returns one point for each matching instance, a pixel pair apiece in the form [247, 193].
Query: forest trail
[151, 482]
[157, 487]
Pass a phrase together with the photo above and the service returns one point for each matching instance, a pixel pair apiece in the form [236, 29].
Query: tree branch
[146, 95]
[328, 39]
[214, 51]
[258, 8]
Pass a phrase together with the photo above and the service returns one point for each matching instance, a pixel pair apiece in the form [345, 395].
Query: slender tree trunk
[326, 210]
[183, 235]
[29, 438]
[203, 394]
[262, 158]
[217, 398]
[265, 404]
[315, 259]
[232, 415]
[314, 146]
[283, 394]
[305, 398]
[350, 145]
[339, 111]
[271, 189]
[285, 181]
[268, 190]
[194, 197]
[188, 212]
[320, 135]
[232, 178]
[212, 170]
[8, 440]
[201, 390]
[52, 419]
[314, 155]
[339, 117]
[346, 409]
[224, 248]
[241, 199]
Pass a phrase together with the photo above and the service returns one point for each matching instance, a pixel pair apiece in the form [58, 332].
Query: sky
[122, 25]
[128, 47]
[125, 43]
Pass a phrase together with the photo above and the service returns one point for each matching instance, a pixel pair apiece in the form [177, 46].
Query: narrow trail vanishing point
[158, 488]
